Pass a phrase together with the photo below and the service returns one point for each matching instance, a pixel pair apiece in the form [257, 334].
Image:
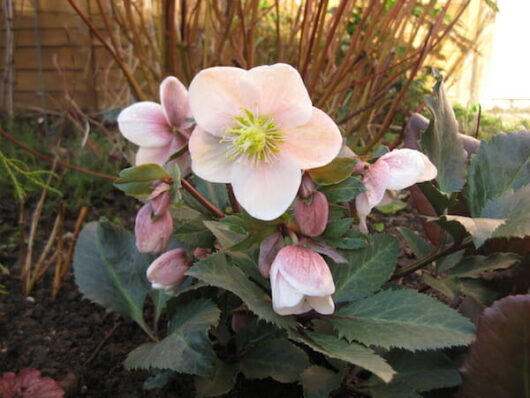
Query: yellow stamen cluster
[253, 139]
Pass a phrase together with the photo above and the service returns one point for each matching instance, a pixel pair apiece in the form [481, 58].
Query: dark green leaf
[344, 191]
[158, 380]
[336, 229]
[186, 348]
[352, 240]
[215, 193]
[368, 268]
[227, 234]
[319, 382]
[110, 271]
[220, 383]
[215, 271]
[333, 173]
[477, 266]
[403, 319]
[194, 234]
[454, 287]
[441, 144]
[394, 390]
[502, 164]
[355, 354]
[138, 180]
[418, 244]
[276, 358]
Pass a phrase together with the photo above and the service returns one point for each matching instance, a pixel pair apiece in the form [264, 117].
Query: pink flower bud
[268, 249]
[312, 217]
[307, 187]
[301, 281]
[201, 252]
[152, 235]
[168, 271]
[161, 203]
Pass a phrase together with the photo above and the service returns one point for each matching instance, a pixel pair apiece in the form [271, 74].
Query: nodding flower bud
[161, 203]
[312, 217]
[152, 233]
[168, 271]
[307, 187]
[201, 253]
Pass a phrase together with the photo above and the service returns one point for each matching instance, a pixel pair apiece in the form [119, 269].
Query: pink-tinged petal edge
[315, 143]
[285, 299]
[305, 270]
[215, 98]
[277, 91]
[208, 157]
[175, 104]
[265, 191]
[407, 167]
[144, 124]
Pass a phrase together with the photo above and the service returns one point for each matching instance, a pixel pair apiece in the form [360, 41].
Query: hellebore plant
[258, 262]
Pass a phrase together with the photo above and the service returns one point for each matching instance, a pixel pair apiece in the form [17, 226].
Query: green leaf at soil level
[222, 381]
[403, 319]
[216, 271]
[138, 180]
[344, 191]
[367, 269]
[353, 353]
[186, 348]
[498, 361]
[276, 358]
[318, 382]
[441, 143]
[110, 271]
[502, 164]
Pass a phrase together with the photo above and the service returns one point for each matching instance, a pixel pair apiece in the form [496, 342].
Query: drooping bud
[268, 249]
[201, 253]
[312, 217]
[307, 187]
[301, 281]
[152, 234]
[161, 203]
[168, 271]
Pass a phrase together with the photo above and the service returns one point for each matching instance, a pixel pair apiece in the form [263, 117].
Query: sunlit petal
[208, 157]
[215, 98]
[267, 189]
[145, 125]
[315, 143]
[407, 167]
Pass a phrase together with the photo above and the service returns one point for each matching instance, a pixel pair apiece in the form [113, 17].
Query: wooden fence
[51, 61]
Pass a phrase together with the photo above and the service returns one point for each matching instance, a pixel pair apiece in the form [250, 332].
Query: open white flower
[257, 130]
[395, 170]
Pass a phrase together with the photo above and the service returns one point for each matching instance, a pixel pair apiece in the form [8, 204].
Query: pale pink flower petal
[407, 167]
[312, 217]
[285, 296]
[152, 235]
[315, 143]
[323, 305]
[158, 155]
[278, 91]
[266, 190]
[215, 98]
[208, 157]
[144, 124]
[305, 270]
[174, 100]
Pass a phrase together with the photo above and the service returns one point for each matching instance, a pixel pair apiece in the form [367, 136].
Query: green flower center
[253, 138]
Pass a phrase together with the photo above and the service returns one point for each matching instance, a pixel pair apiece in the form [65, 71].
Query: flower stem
[435, 255]
[201, 199]
[236, 207]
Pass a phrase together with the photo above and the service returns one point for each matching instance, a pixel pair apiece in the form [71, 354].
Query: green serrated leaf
[227, 234]
[477, 266]
[454, 287]
[110, 271]
[138, 180]
[367, 269]
[186, 348]
[441, 144]
[355, 354]
[216, 271]
[222, 381]
[394, 390]
[333, 173]
[500, 165]
[194, 234]
[344, 191]
[336, 229]
[418, 244]
[319, 382]
[352, 240]
[403, 319]
[276, 358]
